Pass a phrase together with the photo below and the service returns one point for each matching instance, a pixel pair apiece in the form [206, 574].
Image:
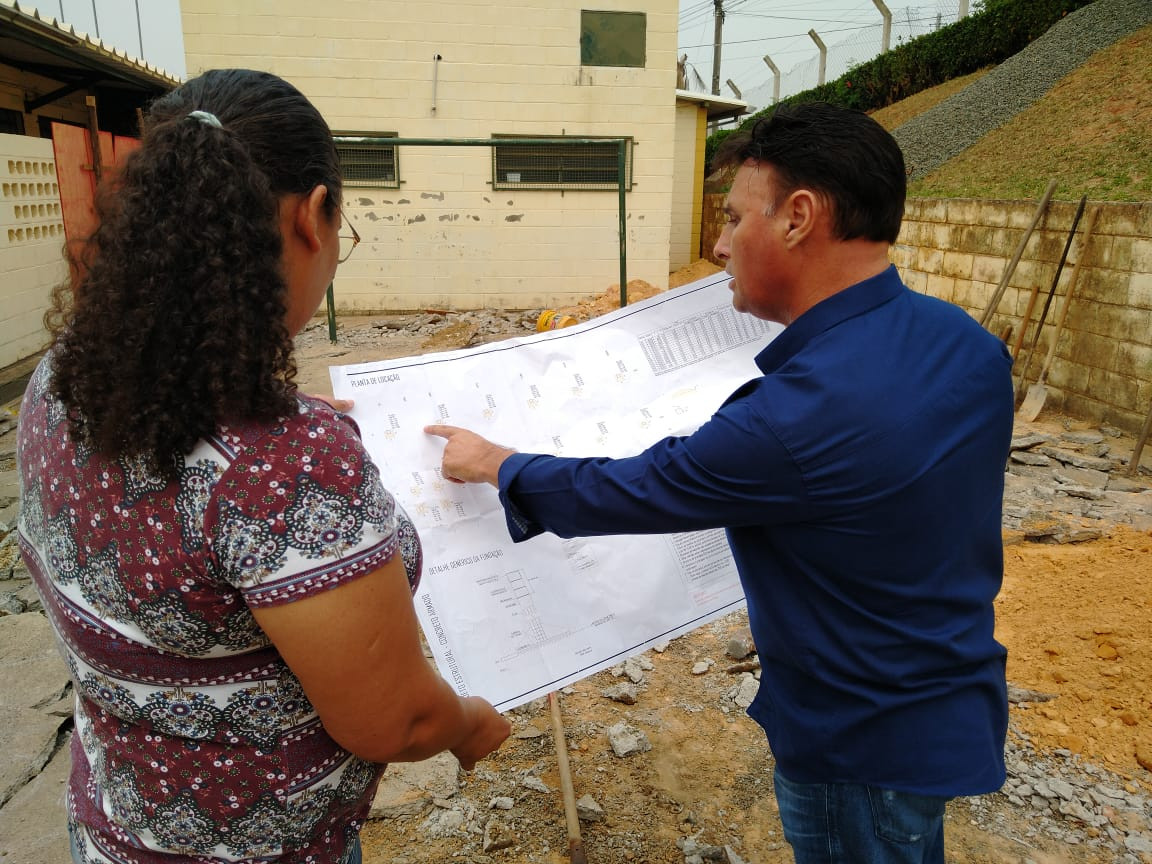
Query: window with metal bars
[369, 163]
[577, 166]
[11, 122]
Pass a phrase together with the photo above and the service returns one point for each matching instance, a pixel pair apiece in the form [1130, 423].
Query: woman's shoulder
[312, 421]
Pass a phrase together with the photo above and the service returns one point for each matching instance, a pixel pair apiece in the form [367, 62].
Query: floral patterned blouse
[193, 737]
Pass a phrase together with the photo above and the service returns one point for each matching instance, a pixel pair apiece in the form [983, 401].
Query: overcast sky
[850, 29]
[155, 36]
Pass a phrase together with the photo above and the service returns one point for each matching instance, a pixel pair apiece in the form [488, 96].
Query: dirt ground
[1073, 617]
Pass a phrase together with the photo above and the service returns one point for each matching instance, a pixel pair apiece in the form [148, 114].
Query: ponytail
[174, 322]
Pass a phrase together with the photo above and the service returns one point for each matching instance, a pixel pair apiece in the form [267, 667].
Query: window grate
[11, 122]
[560, 166]
[369, 164]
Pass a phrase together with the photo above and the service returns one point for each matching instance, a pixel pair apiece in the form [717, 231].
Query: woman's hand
[489, 730]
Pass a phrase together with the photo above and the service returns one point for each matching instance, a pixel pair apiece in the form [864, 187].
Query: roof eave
[718, 107]
[79, 48]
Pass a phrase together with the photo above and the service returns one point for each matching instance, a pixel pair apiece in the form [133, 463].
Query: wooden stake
[990, 309]
[575, 844]
[1134, 461]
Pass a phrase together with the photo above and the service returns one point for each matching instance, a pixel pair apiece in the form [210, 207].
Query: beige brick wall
[959, 250]
[686, 183]
[446, 239]
[31, 243]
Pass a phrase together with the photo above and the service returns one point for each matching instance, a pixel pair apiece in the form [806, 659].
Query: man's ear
[310, 216]
[803, 209]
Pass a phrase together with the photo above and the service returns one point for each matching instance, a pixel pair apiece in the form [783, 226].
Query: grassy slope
[1092, 131]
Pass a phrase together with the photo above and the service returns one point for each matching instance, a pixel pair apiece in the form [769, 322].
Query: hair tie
[207, 118]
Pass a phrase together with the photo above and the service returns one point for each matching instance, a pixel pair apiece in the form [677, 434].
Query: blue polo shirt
[860, 480]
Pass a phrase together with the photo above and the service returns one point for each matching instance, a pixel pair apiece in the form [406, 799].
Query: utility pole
[717, 40]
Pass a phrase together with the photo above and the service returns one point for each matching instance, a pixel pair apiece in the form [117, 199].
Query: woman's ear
[310, 217]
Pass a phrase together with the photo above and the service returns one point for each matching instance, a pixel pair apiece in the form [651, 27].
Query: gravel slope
[940, 133]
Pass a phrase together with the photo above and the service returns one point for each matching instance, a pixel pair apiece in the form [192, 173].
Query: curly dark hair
[173, 319]
[842, 154]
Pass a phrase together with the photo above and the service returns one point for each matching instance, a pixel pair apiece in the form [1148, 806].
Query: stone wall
[959, 249]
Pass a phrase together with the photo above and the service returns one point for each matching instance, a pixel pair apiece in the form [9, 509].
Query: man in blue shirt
[860, 481]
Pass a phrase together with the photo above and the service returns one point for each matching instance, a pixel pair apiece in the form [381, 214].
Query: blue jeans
[353, 854]
[838, 823]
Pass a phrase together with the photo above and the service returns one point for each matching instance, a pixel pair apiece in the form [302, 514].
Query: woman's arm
[356, 651]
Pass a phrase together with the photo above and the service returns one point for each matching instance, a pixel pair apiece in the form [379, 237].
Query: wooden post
[94, 138]
[572, 819]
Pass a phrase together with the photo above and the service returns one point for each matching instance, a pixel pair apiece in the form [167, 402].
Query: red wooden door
[122, 146]
[77, 177]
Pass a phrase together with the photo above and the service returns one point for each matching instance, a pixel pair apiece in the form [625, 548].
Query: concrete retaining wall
[959, 249]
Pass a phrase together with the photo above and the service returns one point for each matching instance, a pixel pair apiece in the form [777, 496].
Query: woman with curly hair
[230, 582]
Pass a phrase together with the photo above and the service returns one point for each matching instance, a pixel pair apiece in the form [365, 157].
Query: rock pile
[1070, 487]
[1072, 801]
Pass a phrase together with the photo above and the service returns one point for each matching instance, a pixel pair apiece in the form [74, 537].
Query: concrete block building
[514, 225]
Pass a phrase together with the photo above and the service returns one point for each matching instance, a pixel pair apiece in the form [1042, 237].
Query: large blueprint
[511, 622]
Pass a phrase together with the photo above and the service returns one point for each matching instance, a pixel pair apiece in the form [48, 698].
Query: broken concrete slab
[1073, 476]
[1079, 460]
[33, 824]
[409, 787]
[1027, 457]
[1025, 442]
[1085, 437]
[1121, 483]
[32, 672]
[27, 740]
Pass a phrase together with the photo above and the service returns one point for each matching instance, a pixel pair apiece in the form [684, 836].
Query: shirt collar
[852, 301]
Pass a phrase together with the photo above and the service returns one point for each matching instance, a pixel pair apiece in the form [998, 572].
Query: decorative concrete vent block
[29, 202]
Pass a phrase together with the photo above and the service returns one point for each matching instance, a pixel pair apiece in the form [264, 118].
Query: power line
[797, 18]
[768, 38]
